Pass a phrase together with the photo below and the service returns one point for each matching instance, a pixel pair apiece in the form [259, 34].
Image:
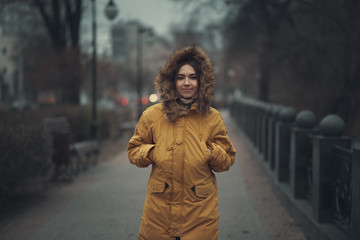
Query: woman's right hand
[151, 154]
[209, 151]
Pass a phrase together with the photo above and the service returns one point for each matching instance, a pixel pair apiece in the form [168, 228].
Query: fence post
[246, 125]
[240, 113]
[355, 208]
[332, 128]
[271, 136]
[282, 143]
[251, 121]
[301, 152]
[237, 112]
[264, 129]
[258, 118]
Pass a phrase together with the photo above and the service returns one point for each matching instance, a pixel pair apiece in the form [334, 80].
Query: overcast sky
[156, 13]
[159, 14]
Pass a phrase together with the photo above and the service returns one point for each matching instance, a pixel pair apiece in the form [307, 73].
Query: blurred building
[8, 67]
[133, 40]
[20, 22]
[20, 19]
[184, 38]
[123, 40]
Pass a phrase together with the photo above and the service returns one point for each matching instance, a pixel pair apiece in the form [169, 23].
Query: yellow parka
[182, 197]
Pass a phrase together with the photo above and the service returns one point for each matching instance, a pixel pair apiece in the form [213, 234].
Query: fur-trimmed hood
[165, 83]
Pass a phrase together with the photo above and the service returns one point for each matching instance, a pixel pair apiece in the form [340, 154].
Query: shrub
[24, 152]
[80, 119]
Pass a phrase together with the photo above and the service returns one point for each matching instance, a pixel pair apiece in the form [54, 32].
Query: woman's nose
[187, 81]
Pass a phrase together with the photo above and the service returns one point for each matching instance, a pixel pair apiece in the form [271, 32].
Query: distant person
[185, 140]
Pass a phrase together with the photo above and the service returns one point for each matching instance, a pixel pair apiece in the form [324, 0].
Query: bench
[69, 157]
[86, 152]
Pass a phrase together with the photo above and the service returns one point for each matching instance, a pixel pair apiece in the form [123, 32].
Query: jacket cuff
[214, 152]
[146, 154]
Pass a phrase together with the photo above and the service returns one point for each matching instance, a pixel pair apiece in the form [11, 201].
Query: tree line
[303, 53]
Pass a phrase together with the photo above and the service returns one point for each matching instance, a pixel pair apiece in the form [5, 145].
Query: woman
[185, 140]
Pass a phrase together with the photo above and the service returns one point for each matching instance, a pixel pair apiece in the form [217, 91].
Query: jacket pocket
[204, 191]
[205, 150]
[159, 187]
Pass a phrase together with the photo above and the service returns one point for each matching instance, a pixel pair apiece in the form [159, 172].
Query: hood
[165, 83]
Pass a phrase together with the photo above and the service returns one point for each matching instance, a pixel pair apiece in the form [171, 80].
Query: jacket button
[169, 148]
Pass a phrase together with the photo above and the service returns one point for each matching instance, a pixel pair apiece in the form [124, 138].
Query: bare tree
[60, 19]
[310, 48]
[256, 26]
[332, 51]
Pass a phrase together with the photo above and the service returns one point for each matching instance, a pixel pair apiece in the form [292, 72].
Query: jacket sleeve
[222, 150]
[141, 143]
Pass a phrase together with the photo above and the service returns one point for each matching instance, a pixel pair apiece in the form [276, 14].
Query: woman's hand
[151, 154]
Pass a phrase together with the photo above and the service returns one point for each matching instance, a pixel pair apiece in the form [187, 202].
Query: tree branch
[73, 19]
[45, 16]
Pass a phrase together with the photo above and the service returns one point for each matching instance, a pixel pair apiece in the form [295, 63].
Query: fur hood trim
[165, 83]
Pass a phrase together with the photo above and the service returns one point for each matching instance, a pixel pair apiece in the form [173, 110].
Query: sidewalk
[106, 203]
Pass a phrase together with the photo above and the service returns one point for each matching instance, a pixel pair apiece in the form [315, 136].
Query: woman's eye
[180, 77]
[193, 77]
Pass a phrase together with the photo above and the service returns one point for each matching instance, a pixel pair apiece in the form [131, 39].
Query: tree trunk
[65, 17]
[72, 76]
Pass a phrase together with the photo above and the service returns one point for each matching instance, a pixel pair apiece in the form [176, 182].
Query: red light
[144, 100]
[124, 102]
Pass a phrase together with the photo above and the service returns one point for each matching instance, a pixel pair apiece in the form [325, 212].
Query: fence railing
[318, 163]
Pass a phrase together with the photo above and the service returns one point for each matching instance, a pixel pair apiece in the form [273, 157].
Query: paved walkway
[106, 203]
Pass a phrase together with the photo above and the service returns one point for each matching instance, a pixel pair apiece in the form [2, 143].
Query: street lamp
[141, 31]
[111, 12]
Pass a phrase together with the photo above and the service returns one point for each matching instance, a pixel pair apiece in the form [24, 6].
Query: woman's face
[186, 81]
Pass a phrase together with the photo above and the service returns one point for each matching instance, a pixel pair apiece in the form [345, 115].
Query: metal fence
[342, 188]
[317, 162]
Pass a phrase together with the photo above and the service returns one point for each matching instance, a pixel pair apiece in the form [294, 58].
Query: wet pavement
[106, 203]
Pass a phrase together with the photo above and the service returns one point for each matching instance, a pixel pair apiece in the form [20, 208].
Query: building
[19, 24]
[8, 67]
[140, 52]
[20, 19]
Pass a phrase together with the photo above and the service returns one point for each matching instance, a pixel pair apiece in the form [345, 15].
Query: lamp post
[140, 32]
[111, 12]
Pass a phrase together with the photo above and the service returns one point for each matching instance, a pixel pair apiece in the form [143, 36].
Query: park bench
[69, 157]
